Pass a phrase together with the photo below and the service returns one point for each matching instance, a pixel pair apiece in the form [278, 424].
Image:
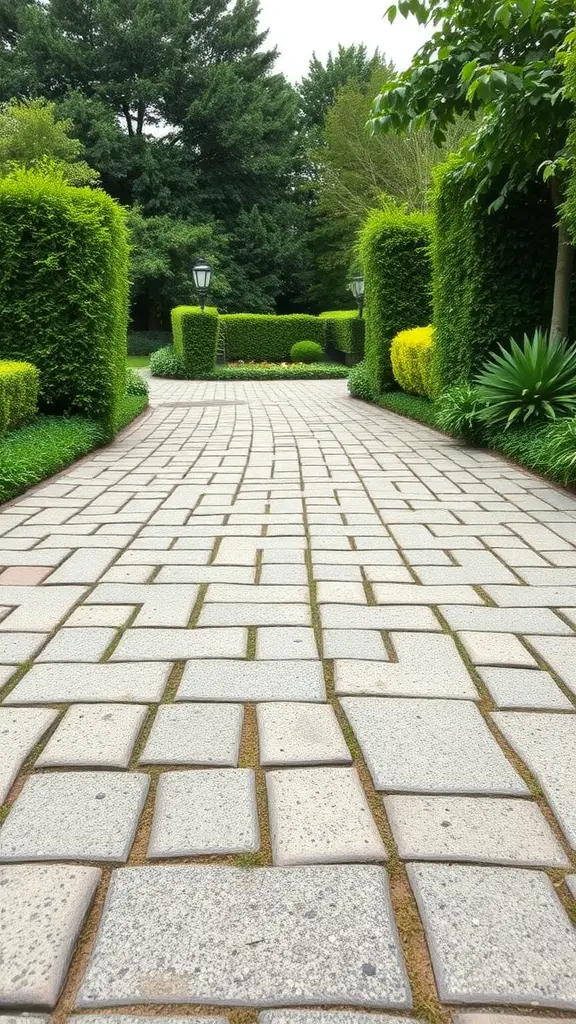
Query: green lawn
[138, 362]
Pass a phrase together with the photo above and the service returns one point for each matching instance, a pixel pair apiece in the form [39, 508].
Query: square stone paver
[560, 655]
[292, 734]
[252, 681]
[496, 935]
[363, 644]
[42, 909]
[267, 937]
[54, 684]
[285, 642]
[94, 736]
[18, 647]
[205, 812]
[547, 744]
[20, 731]
[74, 816]
[82, 644]
[496, 649]
[462, 828]
[204, 734]
[321, 816]
[524, 688]
[428, 665]
[430, 746]
[179, 644]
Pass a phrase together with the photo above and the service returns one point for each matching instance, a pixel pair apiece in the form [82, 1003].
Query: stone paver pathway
[287, 724]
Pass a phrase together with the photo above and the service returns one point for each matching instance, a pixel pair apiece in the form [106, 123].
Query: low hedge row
[168, 363]
[19, 384]
[266, 337]
[345, 332]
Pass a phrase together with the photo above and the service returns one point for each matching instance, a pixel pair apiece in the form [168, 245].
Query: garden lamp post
[202, 272]
[357, 289]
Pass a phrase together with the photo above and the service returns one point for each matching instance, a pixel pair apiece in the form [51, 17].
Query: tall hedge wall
[265, 337]
[196, 335]
[345, 333]
[394, 252]
[493, 273]
[64, 292]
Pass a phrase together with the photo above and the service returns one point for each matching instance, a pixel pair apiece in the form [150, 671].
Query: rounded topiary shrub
[166, 362]
[135, 383]
[306, 352]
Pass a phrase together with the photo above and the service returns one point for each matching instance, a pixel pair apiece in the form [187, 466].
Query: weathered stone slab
[504, 1018]
[496, 649]
[130, 1018]
[54, 684]
[249, 681]
[252, 614]
[430, 746]
[560, 654]
[292, 734]
[78, 644]
[328, 1017]
[94, 736]
[357, 616]
[505, 620]
[20, 731]
[205, 812]
[203, 734]
[547, 744]
[18, 647]
[429, 665]
[361, 644]
[74, 816]
[42, 909]
[268, 937]
[177, 644]
[460, 828]
[285, 643]
[524, 688]
[321, 816]
[496, 935]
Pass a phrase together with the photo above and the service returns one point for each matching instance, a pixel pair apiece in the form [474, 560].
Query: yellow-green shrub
[411, 355]
[19, 384]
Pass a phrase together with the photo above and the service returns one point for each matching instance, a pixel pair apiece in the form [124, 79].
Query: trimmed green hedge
[294, 371]
[64, 292]
[269, 338]
[196, 338]
[19, 383]
[345, 332]
[493, 273]
[394, 252]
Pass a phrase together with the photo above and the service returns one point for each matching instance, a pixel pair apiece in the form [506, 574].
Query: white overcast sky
[299, 27]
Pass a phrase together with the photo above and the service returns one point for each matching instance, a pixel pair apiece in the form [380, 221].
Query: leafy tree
[163, 253]
[31, 137]
[501, 62]
[319, 88]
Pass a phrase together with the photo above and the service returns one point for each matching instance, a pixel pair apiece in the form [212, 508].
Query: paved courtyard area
[287, 724]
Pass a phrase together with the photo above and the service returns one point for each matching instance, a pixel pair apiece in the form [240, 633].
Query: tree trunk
[563, 275]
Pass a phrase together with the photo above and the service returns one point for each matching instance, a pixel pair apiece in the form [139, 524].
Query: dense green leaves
[64, 292]
[31, 137]
[19, 383]
[269, 338]
[394, 251]
[196, 334]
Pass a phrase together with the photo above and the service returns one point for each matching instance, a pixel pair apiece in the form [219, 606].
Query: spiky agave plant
[528, 384]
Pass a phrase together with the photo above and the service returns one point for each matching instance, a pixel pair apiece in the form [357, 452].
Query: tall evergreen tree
[319, 88]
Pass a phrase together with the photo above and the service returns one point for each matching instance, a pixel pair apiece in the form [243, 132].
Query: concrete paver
[266, 626]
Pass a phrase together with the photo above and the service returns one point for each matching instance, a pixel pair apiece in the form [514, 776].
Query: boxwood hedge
[64, 292]
[345, 333]
[196, 338]
[493, 273]
[394, 252]
[268, 338]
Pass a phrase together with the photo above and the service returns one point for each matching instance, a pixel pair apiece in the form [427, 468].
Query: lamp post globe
[202, 272]
[357, 289]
